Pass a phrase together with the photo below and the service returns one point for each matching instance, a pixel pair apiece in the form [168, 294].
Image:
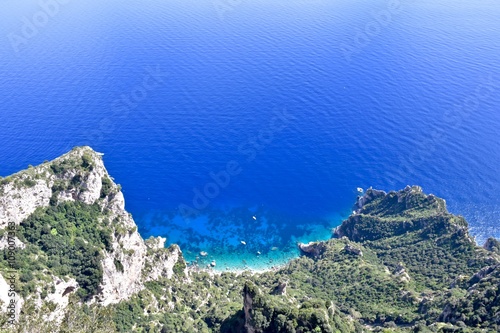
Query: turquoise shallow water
[241, 238]
[299, 102]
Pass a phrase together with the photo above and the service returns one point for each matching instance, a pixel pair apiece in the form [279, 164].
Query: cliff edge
[47, 200]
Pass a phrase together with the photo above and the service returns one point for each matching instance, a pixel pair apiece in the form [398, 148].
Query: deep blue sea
[239, 127]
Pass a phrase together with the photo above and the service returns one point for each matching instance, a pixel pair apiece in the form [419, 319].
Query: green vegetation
[107, 186]
[77, 319]
[66, 240]
[29, 182]
[69, 164]
[401, 263]
[493, 245]
[179, 267]
[417, 263]
[272, 313]
[481, 305]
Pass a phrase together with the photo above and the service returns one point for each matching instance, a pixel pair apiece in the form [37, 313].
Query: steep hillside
[400, 263]
[72, 235]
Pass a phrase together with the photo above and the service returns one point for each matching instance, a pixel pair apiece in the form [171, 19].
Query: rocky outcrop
[280, 289]
[353, 250]
[411, 197]
[20, 197]
[249, 292]
[80, 175]
[481, 300]
[368, 197]
[482, 274]
[25, 191]
[492, 245]
[162, 262]
[401, 273]
[122, 266]
[381, 215]
[313, 249]
[6, 297]
[60, 298]
[14, 242]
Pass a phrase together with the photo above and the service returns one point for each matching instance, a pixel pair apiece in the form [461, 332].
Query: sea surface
[240, 127]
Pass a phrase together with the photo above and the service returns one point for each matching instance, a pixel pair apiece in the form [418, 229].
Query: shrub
[107, 187]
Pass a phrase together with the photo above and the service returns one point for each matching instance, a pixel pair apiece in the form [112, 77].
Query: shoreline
[212, 271]
[237, 271]
[218, 264]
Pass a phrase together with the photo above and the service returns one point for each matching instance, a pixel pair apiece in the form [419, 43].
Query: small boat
[243, 242]
[360, 190]
[254, 217]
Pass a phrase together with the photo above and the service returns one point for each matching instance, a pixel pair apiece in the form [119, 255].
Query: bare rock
[492, 245]
[353, 250]
[280, 289]
[312, 249]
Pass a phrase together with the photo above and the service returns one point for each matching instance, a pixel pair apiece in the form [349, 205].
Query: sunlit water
[255, 121]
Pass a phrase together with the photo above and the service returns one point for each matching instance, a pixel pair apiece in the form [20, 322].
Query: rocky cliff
[400, 263]
[379, 215]
[127, 262]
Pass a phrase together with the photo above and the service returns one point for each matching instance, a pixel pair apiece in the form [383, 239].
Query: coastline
[256, 254]
[237, 271]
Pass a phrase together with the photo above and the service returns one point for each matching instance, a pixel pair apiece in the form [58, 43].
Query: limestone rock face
[60, 298]
[22, 193]
[280, 289]
[122, 267]
[400, 271]
[4, 295]
[156, 243]
[14, 242]
[313, 249]
[369, 196]
[17, 202]
[484, 272]
[161, 263]
[80, 175]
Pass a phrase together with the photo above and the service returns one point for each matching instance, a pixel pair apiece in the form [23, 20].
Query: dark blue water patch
[416, 103]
